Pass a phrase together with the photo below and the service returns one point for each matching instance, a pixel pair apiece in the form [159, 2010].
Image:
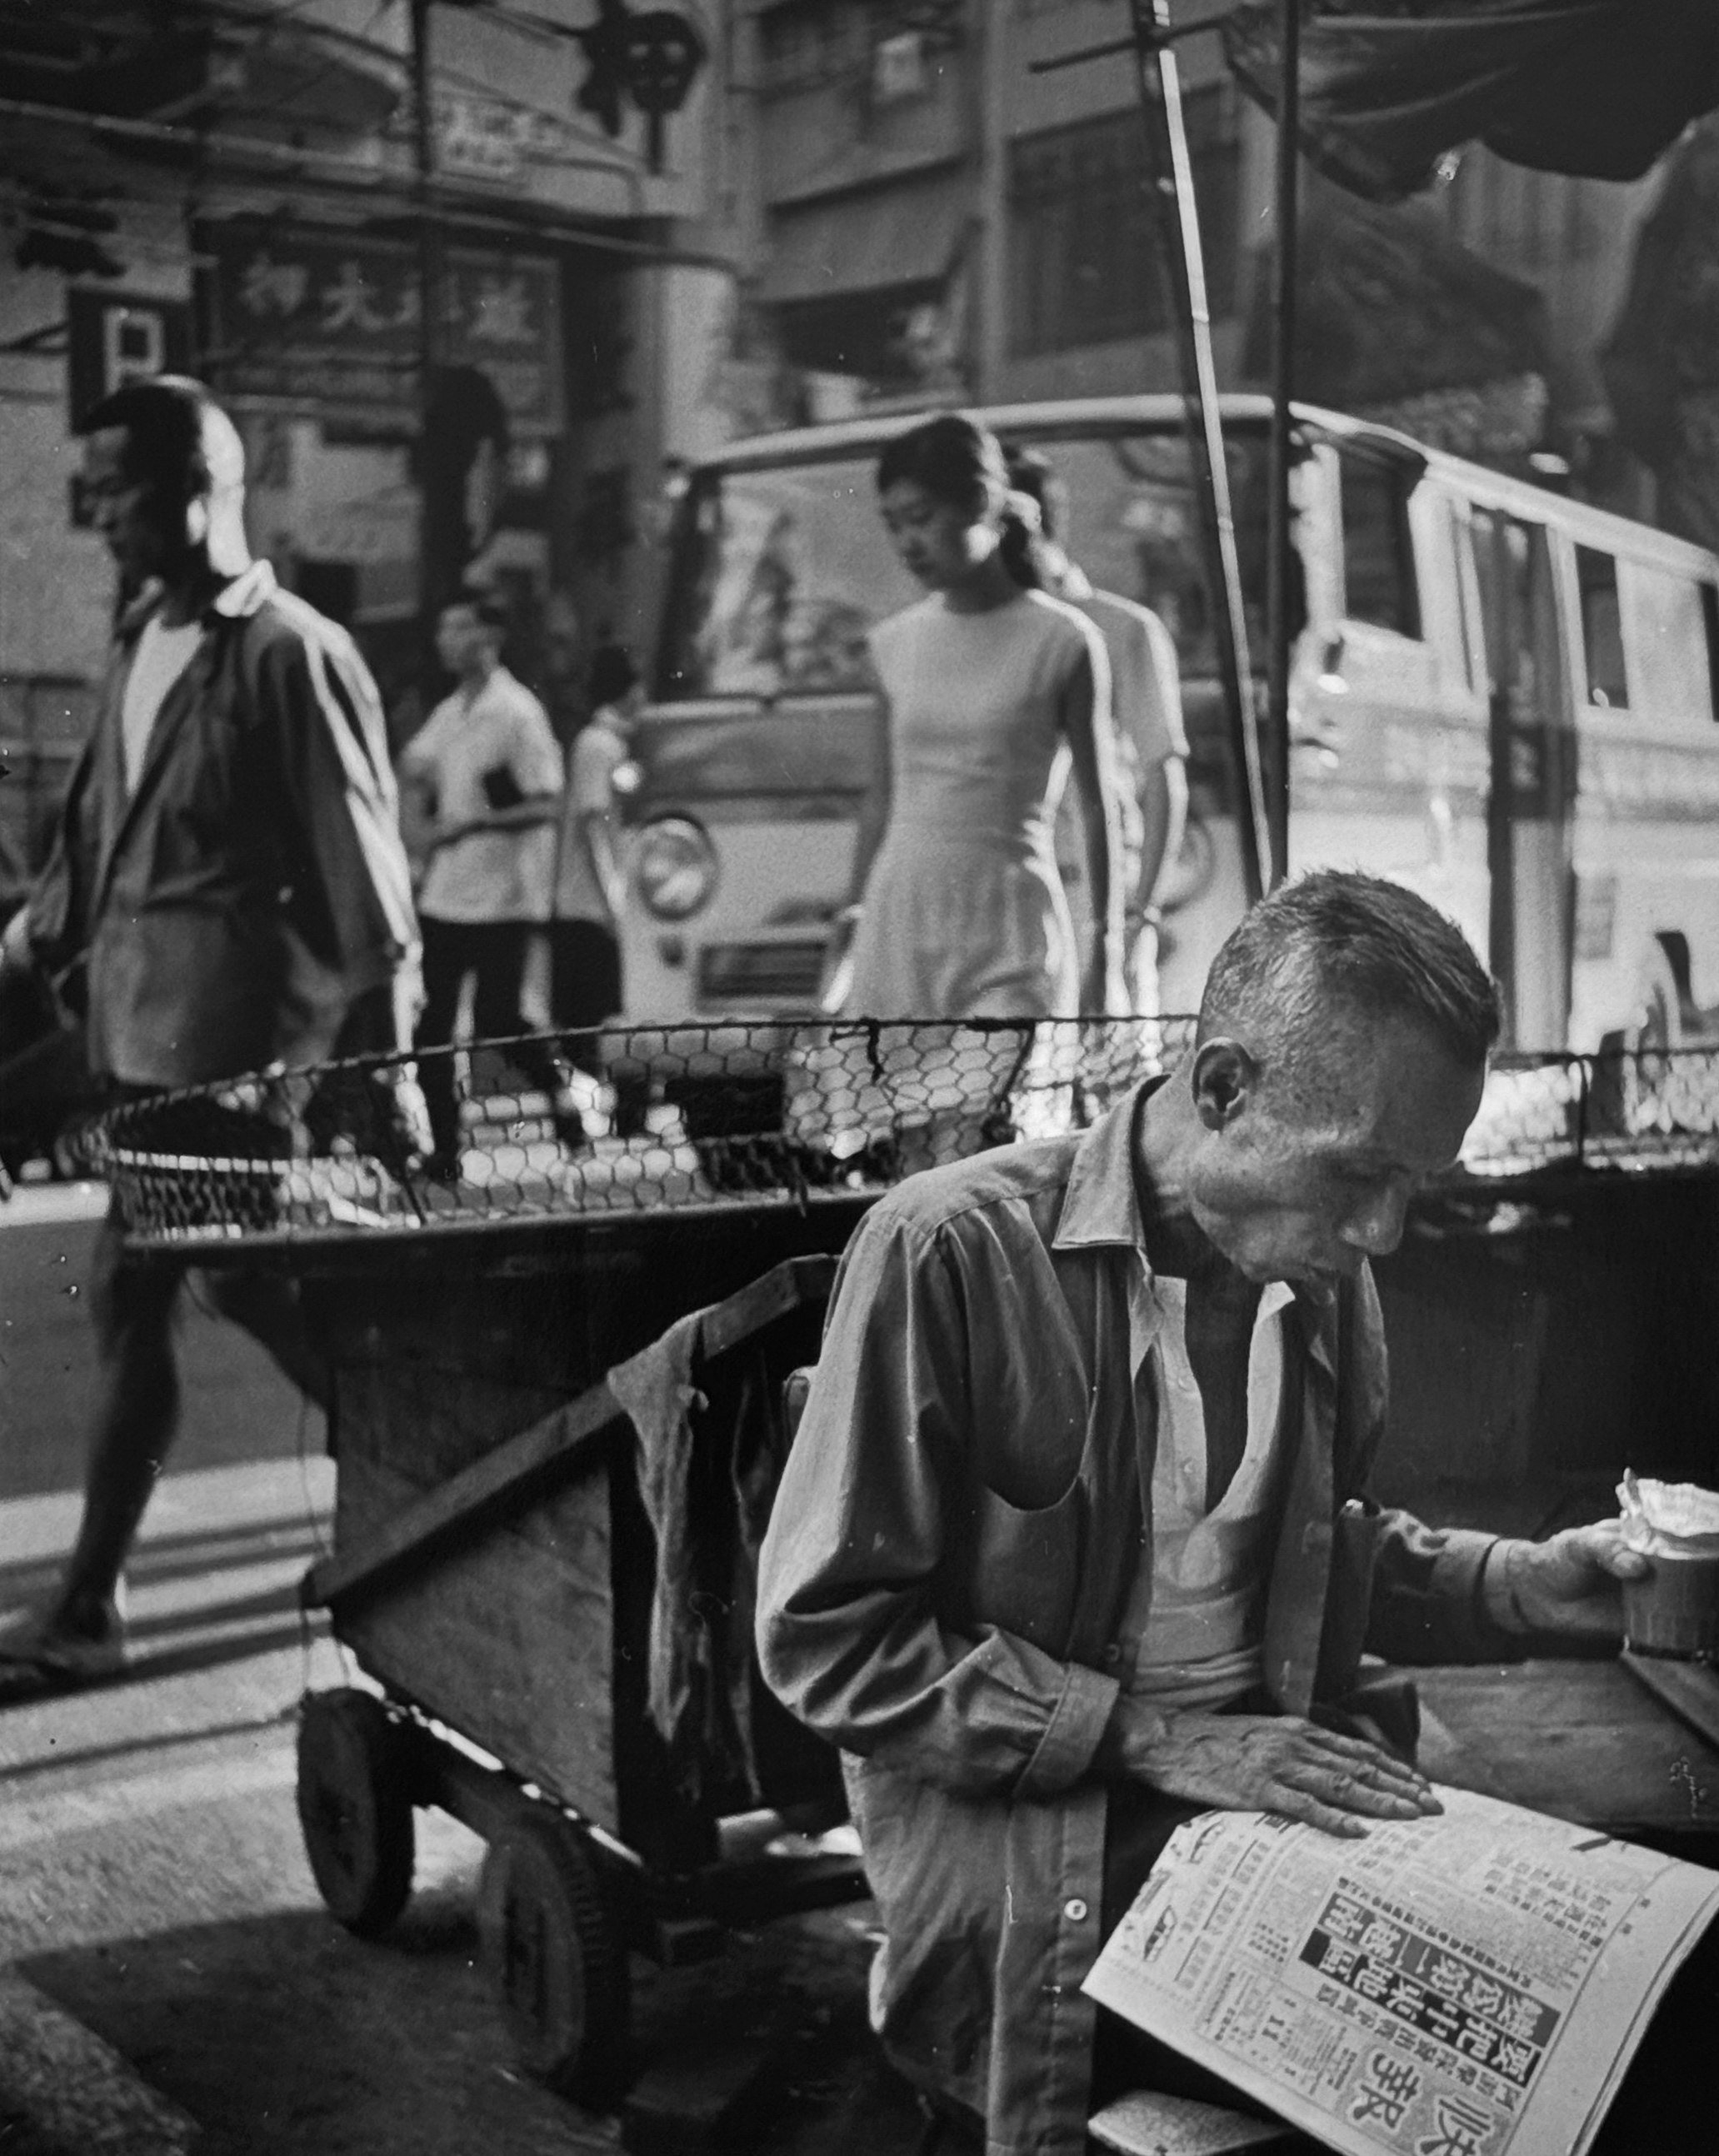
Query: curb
[65, 2093]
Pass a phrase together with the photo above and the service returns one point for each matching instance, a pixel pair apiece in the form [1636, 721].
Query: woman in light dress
[994, 692]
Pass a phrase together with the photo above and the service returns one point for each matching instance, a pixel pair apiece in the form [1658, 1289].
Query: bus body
[1502, 698]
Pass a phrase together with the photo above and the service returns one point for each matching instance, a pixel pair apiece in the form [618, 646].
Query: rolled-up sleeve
[533, 753]
[851, 1634]
[1428, 1604]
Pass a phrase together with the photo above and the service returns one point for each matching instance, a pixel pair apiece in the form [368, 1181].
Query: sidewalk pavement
[169, 1979]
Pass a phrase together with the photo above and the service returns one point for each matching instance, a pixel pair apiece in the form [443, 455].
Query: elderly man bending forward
[1074, 1540]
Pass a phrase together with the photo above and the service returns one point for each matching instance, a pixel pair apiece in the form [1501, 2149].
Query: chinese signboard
[114, 338]
[330, 321]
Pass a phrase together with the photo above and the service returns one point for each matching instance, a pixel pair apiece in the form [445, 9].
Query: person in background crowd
[227, 891]
[463, 472]
[591, 884]
[1073, 1541]
[481, 786]
[1145, 698]
[561, 667]
[956, 907]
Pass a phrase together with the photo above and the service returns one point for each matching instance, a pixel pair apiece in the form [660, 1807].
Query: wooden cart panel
[509, 1640]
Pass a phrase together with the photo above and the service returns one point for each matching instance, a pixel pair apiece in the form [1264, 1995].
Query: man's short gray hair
[1335, 945]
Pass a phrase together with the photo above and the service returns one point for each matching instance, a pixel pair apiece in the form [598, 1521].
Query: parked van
[1500, 697]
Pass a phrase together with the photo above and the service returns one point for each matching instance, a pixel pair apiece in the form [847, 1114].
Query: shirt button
[1075, 1911]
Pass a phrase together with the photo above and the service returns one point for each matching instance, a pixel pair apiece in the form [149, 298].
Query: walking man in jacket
[227, 891]
[1074, 1542]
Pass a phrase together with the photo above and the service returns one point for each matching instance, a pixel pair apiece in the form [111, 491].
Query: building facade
[751, 213]
[949, 202]
[238, 189]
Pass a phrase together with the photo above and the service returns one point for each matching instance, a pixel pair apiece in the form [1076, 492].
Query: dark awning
[1597, 88]
[1390, 307]
[878, 239]
[1663, 352]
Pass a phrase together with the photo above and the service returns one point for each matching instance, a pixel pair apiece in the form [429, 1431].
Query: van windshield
[780, 572]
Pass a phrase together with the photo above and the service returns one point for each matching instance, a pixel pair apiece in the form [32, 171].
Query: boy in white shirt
[480, 785]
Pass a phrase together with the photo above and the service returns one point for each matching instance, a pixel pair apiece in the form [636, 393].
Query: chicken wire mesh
[682, 1117]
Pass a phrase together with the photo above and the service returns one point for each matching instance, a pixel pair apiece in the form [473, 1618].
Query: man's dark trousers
[494, 951]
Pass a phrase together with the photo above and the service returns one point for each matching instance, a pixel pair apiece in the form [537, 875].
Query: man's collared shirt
[949, 1562]
[1191, 1636]
[161, 657]
[467, 742]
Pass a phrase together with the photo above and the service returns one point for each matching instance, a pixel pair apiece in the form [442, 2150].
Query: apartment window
[1084, 253]
[804, 42]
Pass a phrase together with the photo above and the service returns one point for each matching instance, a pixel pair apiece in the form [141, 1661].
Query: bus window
[779, 575]
[1132, 523]
[1665, 641]
[1378, 558]
[1602, 629]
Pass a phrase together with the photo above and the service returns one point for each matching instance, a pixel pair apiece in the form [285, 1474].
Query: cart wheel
[353, 1809]
[551, 1952]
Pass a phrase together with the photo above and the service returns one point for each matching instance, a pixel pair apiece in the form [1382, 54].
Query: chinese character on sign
[1463, 2129]
[652, 57]
[269, 287]
[501, 312]
[1391, 2085]
[346, 302]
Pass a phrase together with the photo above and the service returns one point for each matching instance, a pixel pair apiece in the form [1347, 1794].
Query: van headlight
[675, 868]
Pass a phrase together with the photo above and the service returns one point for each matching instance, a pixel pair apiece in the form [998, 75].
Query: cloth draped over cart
[708, 1459]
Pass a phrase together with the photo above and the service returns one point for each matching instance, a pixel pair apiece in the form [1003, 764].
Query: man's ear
[196, 520]
[1224, 1078]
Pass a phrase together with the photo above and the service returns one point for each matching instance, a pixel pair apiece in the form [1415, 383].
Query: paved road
[153, 1885]
[237, 1404]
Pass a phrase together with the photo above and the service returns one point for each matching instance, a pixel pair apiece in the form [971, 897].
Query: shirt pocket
[1023, 1564]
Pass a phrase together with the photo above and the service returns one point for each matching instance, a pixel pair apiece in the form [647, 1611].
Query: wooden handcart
[494, 1577]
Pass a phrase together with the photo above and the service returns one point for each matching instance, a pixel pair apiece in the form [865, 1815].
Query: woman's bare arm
[1084, 714]
[873, 821]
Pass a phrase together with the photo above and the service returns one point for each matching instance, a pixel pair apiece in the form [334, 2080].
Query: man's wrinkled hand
[1570, 1584]
[1272, 1763]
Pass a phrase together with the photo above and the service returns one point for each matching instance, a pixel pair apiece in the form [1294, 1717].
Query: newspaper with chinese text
[1473, 1984]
